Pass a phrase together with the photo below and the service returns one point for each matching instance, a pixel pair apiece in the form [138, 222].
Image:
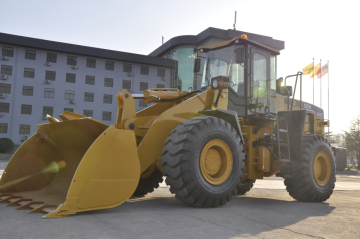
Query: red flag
[317, 69]
[319, 74]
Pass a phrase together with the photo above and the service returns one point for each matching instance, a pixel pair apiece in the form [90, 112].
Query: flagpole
[320, 87]
[328, 96]
[313, 82]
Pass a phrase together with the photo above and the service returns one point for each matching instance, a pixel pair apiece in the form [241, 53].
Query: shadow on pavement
[244, 216]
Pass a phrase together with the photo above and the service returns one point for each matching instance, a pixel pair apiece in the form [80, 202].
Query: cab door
[236, 96]
[259, 82]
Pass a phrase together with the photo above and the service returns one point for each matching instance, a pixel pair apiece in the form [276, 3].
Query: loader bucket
[72, 166]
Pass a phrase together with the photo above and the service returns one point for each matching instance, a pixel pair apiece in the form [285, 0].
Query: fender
[229, 116]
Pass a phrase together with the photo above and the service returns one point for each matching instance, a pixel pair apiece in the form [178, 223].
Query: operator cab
[250, 69]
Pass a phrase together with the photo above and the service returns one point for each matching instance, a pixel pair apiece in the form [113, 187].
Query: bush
[6, 145]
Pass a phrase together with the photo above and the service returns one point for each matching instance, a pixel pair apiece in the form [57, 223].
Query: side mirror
[278, 85]
[197, 65]
[240, 55]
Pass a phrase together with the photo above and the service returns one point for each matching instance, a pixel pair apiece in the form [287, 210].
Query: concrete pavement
[267, 211]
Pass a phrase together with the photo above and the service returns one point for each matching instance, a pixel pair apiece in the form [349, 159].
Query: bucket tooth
[40, 208]
[16, 202]
[6, 199]
[28, 204]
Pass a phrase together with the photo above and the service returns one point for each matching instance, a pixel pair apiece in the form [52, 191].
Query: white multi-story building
[40, 77]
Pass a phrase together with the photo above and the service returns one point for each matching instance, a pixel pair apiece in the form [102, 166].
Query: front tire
[313, 178]
[203, 162]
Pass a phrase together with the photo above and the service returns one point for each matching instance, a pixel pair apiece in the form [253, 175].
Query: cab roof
[238, 40]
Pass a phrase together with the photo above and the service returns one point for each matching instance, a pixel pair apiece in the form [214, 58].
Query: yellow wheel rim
[216, 162]
[322, 168]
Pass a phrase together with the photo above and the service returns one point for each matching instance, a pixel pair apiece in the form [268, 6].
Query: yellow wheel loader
[211, 144]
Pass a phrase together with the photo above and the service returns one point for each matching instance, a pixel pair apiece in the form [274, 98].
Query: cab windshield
[221, 62]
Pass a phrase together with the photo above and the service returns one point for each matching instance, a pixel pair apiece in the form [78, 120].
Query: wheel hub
[322, 168]
[216, 162]
[212, 162]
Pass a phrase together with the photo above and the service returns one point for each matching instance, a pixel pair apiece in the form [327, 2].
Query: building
[184, 49]
[40, 77]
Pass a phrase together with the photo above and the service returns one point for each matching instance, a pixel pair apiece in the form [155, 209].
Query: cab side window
[259, 77]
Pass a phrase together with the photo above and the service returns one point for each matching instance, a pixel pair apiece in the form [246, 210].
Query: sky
[326, 30]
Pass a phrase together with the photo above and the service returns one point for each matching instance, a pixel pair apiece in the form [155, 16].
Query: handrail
[299, 73]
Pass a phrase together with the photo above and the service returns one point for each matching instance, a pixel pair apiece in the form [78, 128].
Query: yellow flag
[308, 69]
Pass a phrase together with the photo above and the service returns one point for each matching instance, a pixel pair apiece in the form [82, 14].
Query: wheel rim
[322, 168]
[216, 162]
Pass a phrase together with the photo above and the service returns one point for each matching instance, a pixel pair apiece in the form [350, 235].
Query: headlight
[215, 83]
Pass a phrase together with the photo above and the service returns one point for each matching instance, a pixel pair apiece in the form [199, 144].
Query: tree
[334, 139]
[352, 142]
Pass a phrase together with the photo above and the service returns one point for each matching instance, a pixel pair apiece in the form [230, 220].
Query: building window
[160, 86]
[70, 77]
[5, 88]
[144, 86]
[88, 113]
[28, 90]
[3, 128]
[30, 54]
[49, 93]
[26, 109]
[48, 110]
[71, 60]
[6, 70]
[109, 65]
[90, 80]
[29, 73]
[107, 99]
[126, 84]
[4, 107]
[106, 116]
[108, 82]
[142, 103]
[91, 63]
[127, 68]
[24, 129]
[89, 97]
[69, 109]
[144, 70]
[51, 57]
[160, 72]
[69, 95]
[8, 51]
[50, 75]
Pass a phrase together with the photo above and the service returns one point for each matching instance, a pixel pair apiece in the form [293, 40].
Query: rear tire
[147, 185]
[203, 162]
[313, 177]
[246, 185]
